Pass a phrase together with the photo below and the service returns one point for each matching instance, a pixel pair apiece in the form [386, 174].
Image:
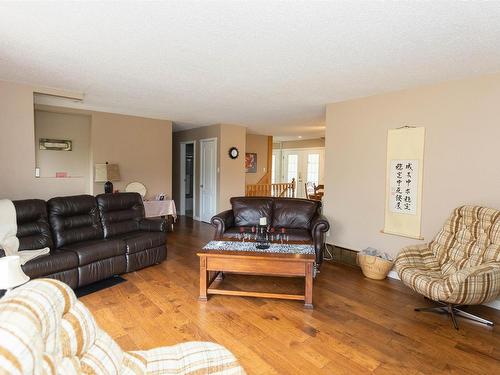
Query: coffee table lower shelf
[214, 264]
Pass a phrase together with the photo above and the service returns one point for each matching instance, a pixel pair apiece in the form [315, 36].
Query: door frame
[202, 171]
[182, 182]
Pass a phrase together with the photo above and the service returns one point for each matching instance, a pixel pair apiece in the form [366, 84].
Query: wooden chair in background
[314, 192]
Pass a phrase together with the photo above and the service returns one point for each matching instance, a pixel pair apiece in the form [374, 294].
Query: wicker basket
[374, 267]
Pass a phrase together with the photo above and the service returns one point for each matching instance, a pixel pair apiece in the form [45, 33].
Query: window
[313, 168]
[292, 170]
[273, 170]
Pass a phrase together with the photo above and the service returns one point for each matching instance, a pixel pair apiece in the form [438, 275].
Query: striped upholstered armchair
[44, 329]
[460, 266]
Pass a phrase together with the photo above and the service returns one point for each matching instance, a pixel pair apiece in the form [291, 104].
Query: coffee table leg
[203, 279]
[309, 286]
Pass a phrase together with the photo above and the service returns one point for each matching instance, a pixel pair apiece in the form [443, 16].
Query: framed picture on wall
[55, 144]
[251, 162]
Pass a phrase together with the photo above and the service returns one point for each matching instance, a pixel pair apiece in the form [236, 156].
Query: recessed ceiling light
[300, 137]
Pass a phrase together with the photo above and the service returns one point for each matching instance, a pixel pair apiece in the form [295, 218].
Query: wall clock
[233, 153]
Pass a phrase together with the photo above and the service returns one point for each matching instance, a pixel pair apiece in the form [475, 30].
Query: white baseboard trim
[393, 275]
[493, 304]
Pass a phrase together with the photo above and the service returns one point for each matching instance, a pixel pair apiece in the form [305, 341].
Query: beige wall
[460, 164]
[17, 150]
[231, 176]
[74, 127]
[141, 147]
[232, 171]
[257, 144]
[149, 152]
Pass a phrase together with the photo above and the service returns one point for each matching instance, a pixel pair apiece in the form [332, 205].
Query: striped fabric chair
[461, 266]
[44, 329]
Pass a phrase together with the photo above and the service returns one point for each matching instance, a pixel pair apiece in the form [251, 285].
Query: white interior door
[208, 177]
[305, 165]
[182, 182]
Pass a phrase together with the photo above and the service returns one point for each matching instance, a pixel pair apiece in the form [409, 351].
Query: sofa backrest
[74, 219]
[470, 237]
[33, 228]
[294, 213]
[120, 212]
[44, 328]
[248, 210]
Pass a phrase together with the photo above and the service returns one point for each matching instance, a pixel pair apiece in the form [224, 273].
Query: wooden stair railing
[283, 189]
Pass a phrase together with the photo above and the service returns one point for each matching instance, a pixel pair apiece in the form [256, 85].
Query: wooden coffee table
[296, 263]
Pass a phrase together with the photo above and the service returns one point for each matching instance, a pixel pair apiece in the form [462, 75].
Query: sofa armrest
[412, 255]
[188, 357]
[419, 256]
[222, 222]
[475, 285]
[319, 226]
[320, 223]
[153, 225]
[481, 270]
[415, 258]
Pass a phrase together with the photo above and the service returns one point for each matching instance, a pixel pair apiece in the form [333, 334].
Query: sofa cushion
[139, 241]
[248, 210]
[92, 251]
[74, 219]
[54, 262]
[120, 213]
[33, 228]
[294, 213]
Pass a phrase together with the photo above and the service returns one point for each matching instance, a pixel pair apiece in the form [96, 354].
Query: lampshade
[11, 273]
[107, 172]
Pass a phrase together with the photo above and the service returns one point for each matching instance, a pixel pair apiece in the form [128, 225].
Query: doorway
[208, 179]
[304, 165]
[187, 178]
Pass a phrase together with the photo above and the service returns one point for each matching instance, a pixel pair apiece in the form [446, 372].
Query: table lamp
[107, 173]
[11, 273]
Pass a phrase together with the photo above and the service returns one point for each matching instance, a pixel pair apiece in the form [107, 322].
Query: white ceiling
[271, 66]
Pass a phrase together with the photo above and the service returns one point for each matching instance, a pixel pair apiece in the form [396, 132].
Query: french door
[303, 165]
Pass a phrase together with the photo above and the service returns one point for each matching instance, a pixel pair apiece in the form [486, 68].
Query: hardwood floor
[358, 326]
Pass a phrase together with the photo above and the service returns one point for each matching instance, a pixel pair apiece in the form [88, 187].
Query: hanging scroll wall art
[405, 155]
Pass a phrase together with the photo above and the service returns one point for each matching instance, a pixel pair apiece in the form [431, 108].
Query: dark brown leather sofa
[302, 219]
[90, 238]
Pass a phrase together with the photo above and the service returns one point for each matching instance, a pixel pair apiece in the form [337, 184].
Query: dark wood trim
[343, 255]
[269, 158]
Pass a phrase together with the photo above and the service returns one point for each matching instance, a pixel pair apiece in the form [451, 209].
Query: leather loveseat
[90, 238]
[301, 218]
